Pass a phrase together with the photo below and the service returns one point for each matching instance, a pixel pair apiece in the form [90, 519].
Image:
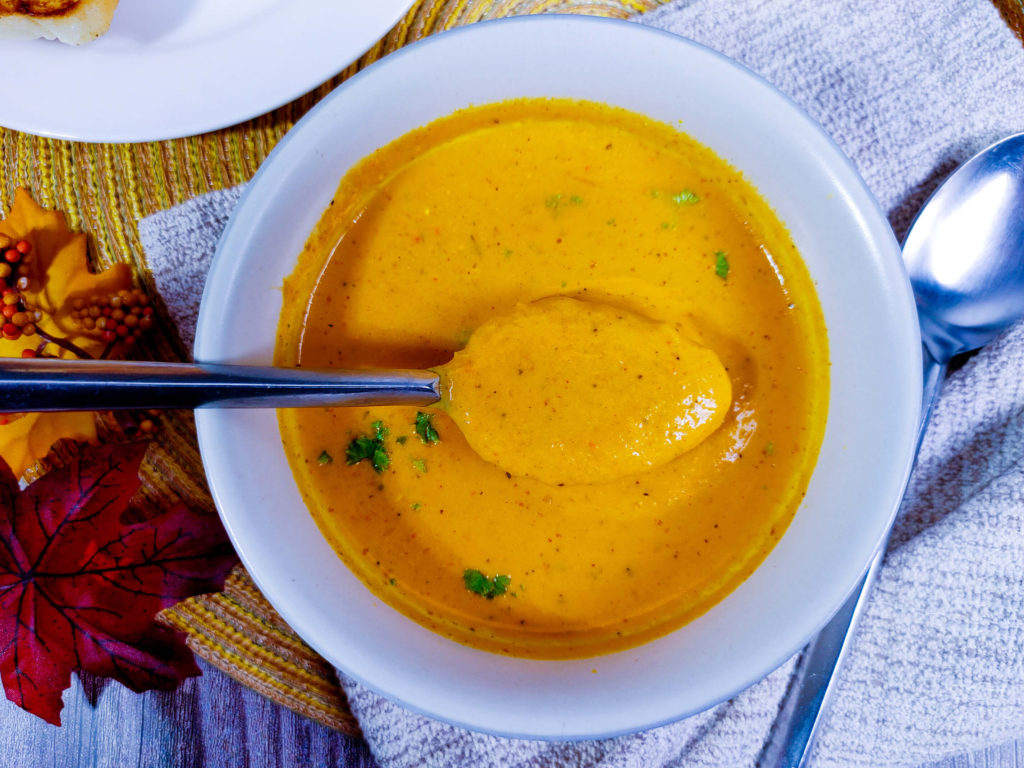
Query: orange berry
[29, 353]
[10, 331]
[24, 247]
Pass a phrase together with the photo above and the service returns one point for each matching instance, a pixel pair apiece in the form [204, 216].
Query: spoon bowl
[964, 252]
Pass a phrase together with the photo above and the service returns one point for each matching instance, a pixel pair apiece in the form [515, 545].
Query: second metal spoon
[965, 257]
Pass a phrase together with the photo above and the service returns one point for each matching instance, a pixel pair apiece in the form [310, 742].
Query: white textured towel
[908, 89]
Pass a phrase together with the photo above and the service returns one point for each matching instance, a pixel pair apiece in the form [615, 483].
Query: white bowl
[875, 391]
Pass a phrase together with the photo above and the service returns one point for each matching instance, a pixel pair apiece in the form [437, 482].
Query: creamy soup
[635, 370]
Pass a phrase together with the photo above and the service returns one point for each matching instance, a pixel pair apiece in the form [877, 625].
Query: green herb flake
[371, 449]
[419, 465]
[576, 200]
[721, 265]
[401, 439]
[392, 581]
[477, 583]
[686, 197]
[770, 448]
[324, 458]
[424, 426]
[415, 505]
[553, 202]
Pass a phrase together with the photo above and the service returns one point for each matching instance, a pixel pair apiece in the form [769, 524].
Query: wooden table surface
[214, 722]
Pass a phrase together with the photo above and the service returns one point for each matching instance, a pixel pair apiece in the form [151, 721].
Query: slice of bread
[70, 21]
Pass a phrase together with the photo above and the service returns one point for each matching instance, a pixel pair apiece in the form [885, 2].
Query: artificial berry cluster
[124, 316]
[18, 316]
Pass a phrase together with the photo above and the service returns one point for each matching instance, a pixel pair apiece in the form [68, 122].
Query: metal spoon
[965, 257]
[88, 385]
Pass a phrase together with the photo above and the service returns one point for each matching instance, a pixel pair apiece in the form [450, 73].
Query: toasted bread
[70, 21]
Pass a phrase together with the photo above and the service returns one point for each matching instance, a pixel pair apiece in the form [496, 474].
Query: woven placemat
[105, 189]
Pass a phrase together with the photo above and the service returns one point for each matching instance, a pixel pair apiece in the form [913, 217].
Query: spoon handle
[87, 385]
[815, 683]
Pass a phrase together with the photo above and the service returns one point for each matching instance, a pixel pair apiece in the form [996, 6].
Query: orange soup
[563, 499]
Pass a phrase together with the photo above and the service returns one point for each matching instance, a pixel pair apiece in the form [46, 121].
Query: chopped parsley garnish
[415, 505]
[490, 588]
[324, 458]
[556, 201]
[770, 448]
[371, 449]
[685, 197]
[721, 265]
[401, 439]
[419, 465]
[425, 428]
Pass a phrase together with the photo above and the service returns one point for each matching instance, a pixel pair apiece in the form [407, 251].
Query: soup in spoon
[525, 390]
[494, 241]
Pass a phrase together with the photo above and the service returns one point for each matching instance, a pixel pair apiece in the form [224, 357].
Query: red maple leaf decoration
[79, 589]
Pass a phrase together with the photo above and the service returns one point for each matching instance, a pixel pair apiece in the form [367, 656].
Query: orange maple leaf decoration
[59, 273]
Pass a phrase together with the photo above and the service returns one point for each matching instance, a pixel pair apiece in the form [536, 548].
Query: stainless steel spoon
[87, 385]
[965, 257]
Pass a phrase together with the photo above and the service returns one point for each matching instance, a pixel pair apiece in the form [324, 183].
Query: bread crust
[70, 21]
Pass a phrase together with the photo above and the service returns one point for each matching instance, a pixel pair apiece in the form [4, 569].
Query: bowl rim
[212, 427]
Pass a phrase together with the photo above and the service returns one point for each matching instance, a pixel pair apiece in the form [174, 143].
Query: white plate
[170, 68]
[875, 385]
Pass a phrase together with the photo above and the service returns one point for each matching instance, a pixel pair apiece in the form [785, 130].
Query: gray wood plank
[214, 722]
[1009, 755]
[209, 722]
